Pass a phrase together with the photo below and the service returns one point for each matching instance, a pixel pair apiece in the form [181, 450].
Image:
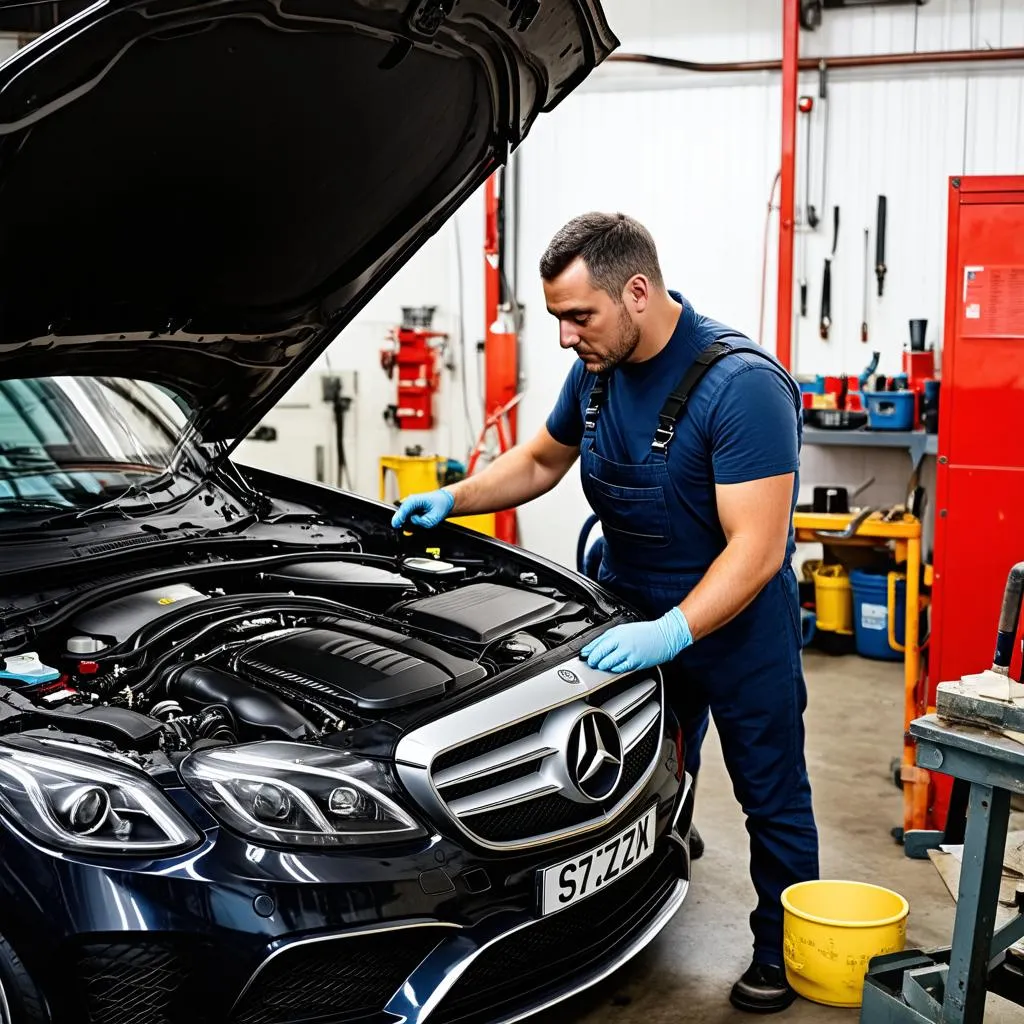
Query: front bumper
[528, 965]
[504, 968]
[344, 939]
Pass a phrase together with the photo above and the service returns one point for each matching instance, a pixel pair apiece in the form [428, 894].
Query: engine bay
[305, 647]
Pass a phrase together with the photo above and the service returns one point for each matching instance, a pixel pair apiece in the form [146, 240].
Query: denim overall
[748, 673]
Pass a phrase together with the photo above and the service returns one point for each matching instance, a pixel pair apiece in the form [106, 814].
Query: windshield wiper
[32, 505]
[115, 507]
[166, 478]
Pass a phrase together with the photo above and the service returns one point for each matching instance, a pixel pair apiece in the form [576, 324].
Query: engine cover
[356, 665]
[479, 613]
[344, 581]
[120, 619]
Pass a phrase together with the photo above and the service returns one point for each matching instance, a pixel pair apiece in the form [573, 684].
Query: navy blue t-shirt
[743, 422]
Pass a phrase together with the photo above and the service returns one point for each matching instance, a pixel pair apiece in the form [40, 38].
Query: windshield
[74, 443]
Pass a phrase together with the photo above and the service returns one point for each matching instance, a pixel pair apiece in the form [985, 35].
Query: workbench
[950, 986]
[916, 443]
[904, 530]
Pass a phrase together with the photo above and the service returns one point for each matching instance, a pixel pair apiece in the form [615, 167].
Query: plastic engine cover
[371, 668]
[479, 613]
[343, 579]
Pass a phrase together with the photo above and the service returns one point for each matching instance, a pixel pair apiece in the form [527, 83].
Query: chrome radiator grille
[561, 768]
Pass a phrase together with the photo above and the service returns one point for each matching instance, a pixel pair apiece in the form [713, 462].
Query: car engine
[295, 648]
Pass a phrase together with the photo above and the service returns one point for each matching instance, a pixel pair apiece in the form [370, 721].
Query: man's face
[599, 330]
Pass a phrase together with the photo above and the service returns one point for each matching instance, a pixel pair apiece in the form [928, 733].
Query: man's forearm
[734, 579]
[512, 479]
[732, 582]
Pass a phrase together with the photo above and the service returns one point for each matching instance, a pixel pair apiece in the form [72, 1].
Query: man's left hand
[638, 645]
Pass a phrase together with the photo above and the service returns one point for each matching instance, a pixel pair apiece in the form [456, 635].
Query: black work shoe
[696, 844]
[763, 989]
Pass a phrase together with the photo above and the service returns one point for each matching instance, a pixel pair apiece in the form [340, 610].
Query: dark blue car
[264, 759]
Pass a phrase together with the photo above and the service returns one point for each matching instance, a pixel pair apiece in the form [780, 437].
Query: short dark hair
[613, 247]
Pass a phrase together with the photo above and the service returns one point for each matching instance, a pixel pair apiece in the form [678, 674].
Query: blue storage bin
[890, 410]
[871, 614]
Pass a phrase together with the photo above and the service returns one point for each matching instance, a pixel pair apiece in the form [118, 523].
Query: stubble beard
[629, 338]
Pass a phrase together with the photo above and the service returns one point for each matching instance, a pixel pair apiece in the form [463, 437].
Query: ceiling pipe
[867, 60]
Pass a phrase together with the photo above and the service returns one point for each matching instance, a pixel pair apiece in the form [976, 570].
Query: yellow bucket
[833, 599]
[831, 932]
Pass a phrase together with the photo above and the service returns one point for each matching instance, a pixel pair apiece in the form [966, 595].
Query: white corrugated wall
[694, 155]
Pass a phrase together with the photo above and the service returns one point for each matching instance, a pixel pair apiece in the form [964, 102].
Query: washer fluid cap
[27, 668]
[433, 567]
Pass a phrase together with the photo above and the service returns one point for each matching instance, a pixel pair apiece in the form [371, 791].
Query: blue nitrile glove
[637, 645]
[424, 509]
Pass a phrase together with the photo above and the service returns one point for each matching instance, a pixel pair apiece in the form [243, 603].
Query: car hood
[204, 194]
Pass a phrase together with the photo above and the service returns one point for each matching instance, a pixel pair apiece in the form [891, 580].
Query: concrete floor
[854, 727]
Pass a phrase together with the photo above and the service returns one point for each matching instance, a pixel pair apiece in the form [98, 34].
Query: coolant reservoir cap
[85, 645]
[27, 668]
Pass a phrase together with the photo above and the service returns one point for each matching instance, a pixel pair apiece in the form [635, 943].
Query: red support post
[790, 69]
[492, 282]
[501, 367]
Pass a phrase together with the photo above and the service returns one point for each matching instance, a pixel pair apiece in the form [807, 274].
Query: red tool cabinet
[979, 504]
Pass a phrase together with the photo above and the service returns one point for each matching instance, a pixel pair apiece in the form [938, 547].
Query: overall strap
[595, 400]
[675, 405]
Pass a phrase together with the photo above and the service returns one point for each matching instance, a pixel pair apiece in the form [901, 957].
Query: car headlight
[87, 806]
[300, 795]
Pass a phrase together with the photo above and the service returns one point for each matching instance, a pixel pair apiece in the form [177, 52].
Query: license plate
[576, 879]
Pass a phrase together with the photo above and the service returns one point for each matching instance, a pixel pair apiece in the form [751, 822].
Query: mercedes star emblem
[568, 676]
[594, 755]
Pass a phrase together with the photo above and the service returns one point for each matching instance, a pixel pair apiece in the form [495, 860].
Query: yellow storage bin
[414, 474]
[832, 929]
[484, 523]
[833, 599]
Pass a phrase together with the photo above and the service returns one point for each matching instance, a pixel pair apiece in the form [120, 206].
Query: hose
[1009, 619]
[174, 574]
[236, 608]
[764, 257]
[581, 544]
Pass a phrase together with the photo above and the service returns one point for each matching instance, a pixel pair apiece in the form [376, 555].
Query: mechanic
[695, 495]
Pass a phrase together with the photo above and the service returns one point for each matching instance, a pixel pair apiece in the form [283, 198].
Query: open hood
[203, 194]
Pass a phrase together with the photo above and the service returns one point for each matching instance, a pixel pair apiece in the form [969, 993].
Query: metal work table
[951, 985]
[916, 442]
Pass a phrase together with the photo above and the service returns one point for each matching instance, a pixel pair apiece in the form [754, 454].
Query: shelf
[916, 442]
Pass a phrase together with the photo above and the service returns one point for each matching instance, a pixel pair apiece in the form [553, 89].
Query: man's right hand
[519, 475]
[426, 510]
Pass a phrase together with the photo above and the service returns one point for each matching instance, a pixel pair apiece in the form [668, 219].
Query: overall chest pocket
[631, 515]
